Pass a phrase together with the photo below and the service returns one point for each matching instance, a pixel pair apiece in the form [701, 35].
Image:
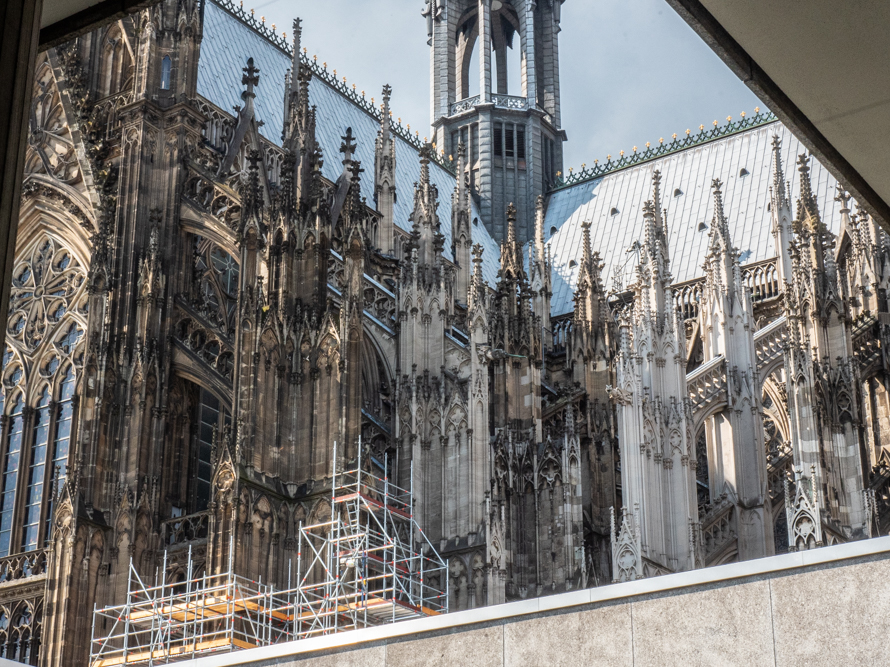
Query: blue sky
[631, 70]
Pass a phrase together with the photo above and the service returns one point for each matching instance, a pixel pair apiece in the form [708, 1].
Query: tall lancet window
[10, 474]
[61, 443]
[36, 471]
[210, 417]
[165, 73]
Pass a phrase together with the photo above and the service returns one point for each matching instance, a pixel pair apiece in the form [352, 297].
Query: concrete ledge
[729, 614]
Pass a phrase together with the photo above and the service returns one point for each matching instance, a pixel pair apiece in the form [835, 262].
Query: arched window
[36, 471]
[10, 474]
[165, 73]
[219, 276]
[208, 421]
[20, 639]
[60, 446]
[62, 436]
[116, 65]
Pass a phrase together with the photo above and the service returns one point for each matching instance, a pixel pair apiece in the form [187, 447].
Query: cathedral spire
[780, 211]
[295, 62]
[461, 231]
[655, 234]
[384, 113]
[426, 235]
[344, 181]
[539, 228]
[720, 240]
[461, 192]
[511, 225]
[385, 178]
[585, 243]
[512, 268]
[477, 290]
[540, 279]
[249, 80]
[807, 208]
[780, 195]
[252, 199]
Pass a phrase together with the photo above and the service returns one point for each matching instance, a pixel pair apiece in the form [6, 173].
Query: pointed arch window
[36, 470]
[209, 413]
[10, 474]
[217, 273]
[165, 73]
[61, 444]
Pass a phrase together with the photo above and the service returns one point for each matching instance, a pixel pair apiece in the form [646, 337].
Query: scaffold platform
[370, 564]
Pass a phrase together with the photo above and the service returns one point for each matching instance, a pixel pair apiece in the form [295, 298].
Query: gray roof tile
[691, 170]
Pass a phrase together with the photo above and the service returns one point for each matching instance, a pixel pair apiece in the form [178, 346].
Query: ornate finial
[251, 79]
[716, 185]
[511, 223]
[656, 189]
[803, 166]
[461, 186]
[477, 284]
[586, 249]
[780, 191]
[426, 153]
[539, 221]
[843, 197]
[649, 218]
[348, 145]
[385, 112]
[252, 199]
[298, 33]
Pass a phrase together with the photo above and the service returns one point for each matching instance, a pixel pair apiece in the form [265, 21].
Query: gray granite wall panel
[726, 625]
[833, 616]
[482, 646]
[594, 638]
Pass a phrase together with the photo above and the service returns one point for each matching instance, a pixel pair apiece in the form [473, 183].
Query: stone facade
[199, 313]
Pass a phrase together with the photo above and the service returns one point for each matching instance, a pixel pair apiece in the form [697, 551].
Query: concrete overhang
[823, 67]
[62, 20]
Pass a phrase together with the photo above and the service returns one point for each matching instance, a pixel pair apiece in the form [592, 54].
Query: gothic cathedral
[236, 272]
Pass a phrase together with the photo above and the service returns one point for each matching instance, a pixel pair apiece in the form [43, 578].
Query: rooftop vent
[476, 221]
[769, 206]
[572, 263]
[614, 211]
[743, 172]
[702, 226]
[552, 231]
[678, 192]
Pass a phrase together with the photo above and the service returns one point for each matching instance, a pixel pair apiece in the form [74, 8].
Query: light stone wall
[833, 612]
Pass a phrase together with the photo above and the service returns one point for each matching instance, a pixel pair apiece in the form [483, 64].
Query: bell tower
[513, 138]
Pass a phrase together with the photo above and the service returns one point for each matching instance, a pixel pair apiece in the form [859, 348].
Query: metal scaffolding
[369, 564]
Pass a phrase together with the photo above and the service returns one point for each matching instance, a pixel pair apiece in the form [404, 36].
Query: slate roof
[227, 44]
[229, 41]
[691, 171]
